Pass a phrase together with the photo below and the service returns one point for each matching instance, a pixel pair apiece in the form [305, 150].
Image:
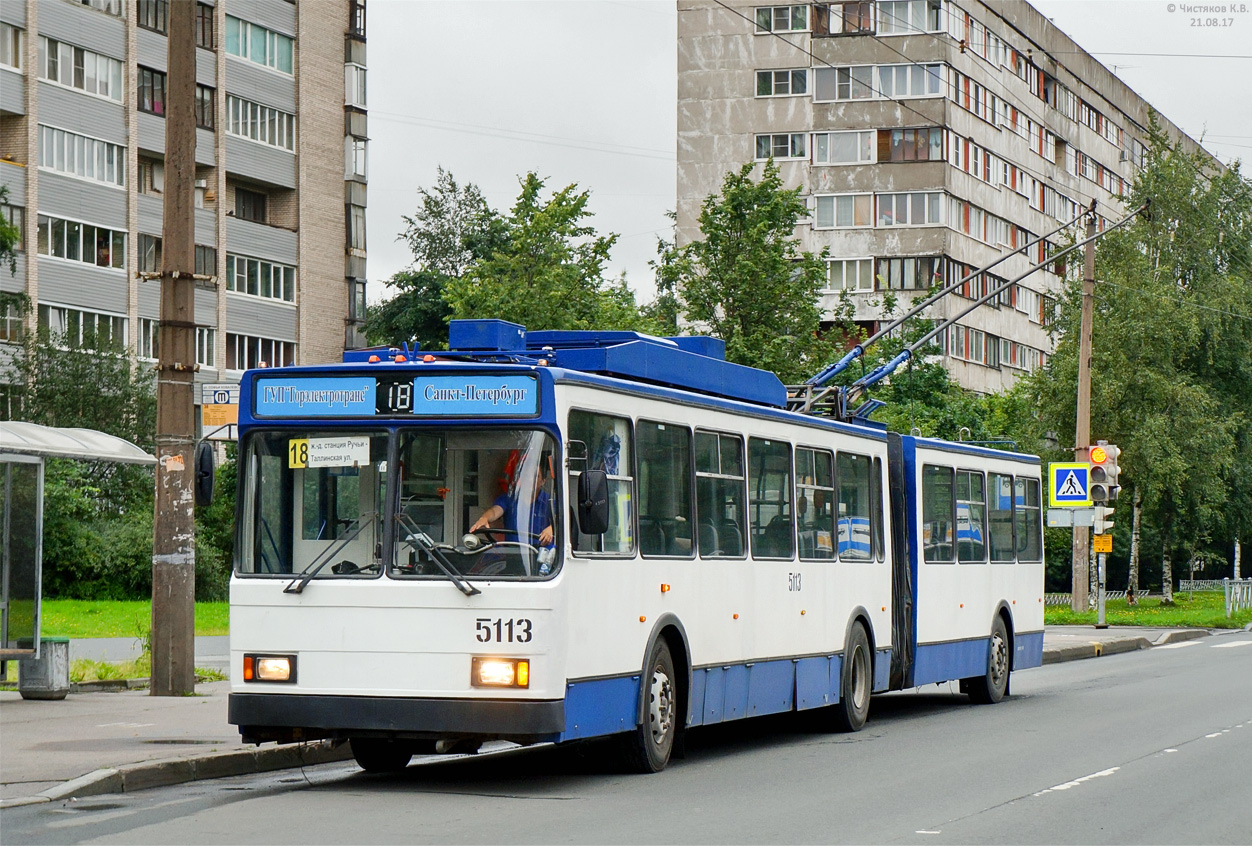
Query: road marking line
[927, 831]
[1232, 643]
[1214, 734]
[1067, 785]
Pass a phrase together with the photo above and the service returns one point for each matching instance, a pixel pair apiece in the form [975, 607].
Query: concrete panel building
[929, 137]
[280, 175]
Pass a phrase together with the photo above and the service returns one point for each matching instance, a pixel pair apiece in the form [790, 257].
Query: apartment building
[281, 147]
[929, 137]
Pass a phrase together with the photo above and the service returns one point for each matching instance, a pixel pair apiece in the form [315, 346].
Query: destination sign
[390, 394]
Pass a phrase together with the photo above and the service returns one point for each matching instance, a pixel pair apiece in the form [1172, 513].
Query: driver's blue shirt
[540, 515]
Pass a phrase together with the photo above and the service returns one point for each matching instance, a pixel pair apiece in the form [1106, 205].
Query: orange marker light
[801, 612]
[523, 673]
[643, 619]
[247, 668]
[428, 358]
[401, 357]
[736, 616]
[374, 359]
[664, 588]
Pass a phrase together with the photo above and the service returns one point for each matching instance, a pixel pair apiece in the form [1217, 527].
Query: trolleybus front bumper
[286, 717]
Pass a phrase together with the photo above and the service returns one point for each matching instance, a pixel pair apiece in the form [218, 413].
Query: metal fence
[1064, 598]
[1200, 584]
[1238, 595]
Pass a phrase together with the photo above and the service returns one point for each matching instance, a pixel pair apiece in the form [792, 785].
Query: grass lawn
[1203, 610]
[78, 618]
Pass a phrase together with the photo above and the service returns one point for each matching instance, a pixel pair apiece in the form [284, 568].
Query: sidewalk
[96, 742]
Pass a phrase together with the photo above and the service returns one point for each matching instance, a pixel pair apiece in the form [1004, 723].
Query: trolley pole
[173, 547]
[1079, 595]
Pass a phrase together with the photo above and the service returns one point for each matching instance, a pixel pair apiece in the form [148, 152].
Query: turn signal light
[500, 672]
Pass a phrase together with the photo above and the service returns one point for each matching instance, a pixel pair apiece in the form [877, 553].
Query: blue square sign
[1068, 484]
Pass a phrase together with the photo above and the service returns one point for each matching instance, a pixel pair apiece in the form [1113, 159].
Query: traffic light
[1103, 460]
[1103, 524]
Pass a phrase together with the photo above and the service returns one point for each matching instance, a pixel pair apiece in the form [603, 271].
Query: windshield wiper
[316, 565]
[423, 540]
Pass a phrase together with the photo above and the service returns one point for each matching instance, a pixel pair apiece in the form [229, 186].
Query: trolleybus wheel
[647, 749]
[375, 755]
[991, 686]
[855, 682]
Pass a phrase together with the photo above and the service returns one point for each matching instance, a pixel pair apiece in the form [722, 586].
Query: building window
[206, 346]
[356, 18]
[260, 278]
[912, 145]
[836, 148]
[15, 216]
[78, 328]
[259, 45]
[356, 300]
[354, 86]
[206, 260]
[843, 19]
[921, 208]
[78, 155]
[910, 80]
[149, 253]
[153, 15]
[855, 275]
[146, 343]
[356, 227]
[782, 83]
[844, 211]
[784, 146]
[355, 151]
[109, 7]
[908, 274]
[151, 176]
[151, 88]
[204, 26]
[70, 239]
[12, 326]
[250, 205]
[204, 106]
[10, 46]
[852, 83]
[75, 67]
[908, 16]
[247, 351]
[782, 19]
[260, 123]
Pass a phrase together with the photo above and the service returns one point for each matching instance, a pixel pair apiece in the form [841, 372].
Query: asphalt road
[1146, 747]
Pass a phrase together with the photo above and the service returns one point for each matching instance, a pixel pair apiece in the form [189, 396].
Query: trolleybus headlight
[269, 668]
[500, 672]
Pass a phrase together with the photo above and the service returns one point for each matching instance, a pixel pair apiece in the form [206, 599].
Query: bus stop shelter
[23, 449]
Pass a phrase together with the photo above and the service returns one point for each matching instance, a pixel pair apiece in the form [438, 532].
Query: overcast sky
[584, 91]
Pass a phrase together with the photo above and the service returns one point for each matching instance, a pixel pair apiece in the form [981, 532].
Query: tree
[10, 236]
[747, 280]
[452, 227]
[544, 268]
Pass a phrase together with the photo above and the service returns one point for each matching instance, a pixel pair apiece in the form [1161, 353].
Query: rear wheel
[376, 755]
[991, 687]
[855, 683]
[647, 749]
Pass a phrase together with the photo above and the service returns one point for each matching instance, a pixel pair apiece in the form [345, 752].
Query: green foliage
[1202, 610]
[10, 236]
[76, 618]
[544, 268]
[416, 315]
[747, 281]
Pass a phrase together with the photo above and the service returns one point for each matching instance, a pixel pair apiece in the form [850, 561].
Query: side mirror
[593, 502]
[204, 473]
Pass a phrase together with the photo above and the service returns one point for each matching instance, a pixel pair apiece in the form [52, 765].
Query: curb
[1095, 649]
[168, 771]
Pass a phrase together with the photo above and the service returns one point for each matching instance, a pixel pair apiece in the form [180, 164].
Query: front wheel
[375, 755]
[647, 749]
[991, 687]
[855, 682]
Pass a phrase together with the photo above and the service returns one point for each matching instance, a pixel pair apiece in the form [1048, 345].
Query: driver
[510, 504]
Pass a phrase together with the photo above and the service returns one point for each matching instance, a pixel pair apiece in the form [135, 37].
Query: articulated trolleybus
[549, 536]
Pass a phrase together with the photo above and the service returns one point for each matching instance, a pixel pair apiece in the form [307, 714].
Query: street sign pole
[1100, 624]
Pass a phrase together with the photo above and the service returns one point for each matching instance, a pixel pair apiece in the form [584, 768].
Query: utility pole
[1082, 435]
[174, 528]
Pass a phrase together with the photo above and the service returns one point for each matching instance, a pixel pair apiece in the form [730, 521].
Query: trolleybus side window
[665, 519]
[719, 495]
[938, 515]
[876, 510]
[815, 503]
[1000, 518]
[769, 504]
[856, 538]
[1029, 529]
[314, 501]
[971, 517]
[608, 447]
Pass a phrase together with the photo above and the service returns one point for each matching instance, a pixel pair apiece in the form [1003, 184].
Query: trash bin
[48, 676]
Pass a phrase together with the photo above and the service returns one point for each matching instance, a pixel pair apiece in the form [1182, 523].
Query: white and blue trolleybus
[550, 536]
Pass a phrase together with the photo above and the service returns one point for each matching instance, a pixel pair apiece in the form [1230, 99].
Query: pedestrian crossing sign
[1068, 485]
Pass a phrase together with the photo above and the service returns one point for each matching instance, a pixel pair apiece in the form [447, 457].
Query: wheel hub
[660, 706]
[999, 659]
